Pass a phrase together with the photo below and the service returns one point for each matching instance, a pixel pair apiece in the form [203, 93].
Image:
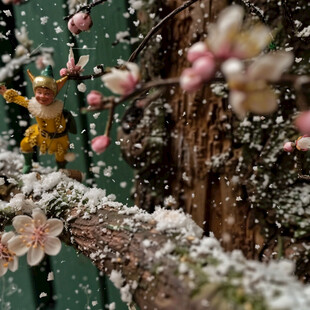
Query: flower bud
[82, 21]
[94, 98]
[63, 72]
[205, 67]
[99, 144]
[196, 51]
[72, 27]
[289, 147]
[189, 80]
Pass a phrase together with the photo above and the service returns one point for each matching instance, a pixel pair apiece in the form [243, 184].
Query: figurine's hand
[2, 89]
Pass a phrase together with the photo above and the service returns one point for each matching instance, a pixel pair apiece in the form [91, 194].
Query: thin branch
[90, 76]
[139, 89]
[85, 8]
[156, 28]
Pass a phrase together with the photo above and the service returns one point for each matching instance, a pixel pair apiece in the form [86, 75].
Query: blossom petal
[35, 255]
[71, 55]
[83, 61]
[261, 101]
[3, 269]
[6, 237]
[39, 217]
[134, 69]
[55, 227]
[17, 246]
[236, 100]
[52, 246]
[20, 221]
[270, 67]
[13, 266]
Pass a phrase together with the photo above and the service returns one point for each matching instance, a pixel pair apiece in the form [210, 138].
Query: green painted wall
[77, 283]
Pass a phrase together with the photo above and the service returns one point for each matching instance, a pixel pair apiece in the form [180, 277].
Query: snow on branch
[156, 260]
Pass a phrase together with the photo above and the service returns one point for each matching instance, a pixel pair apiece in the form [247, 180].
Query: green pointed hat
[46, 79]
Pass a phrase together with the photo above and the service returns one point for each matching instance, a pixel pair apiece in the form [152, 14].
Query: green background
[77, 284]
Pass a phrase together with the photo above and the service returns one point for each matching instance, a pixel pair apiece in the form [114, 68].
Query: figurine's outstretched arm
[11, 95]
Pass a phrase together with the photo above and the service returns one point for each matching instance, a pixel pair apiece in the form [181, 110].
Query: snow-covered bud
[94, 98]
[196, 51]
[99, 144]
[72, 27]
[303, 122]
[205, 67]
[289, 147]
[82, 21]
[190, 80]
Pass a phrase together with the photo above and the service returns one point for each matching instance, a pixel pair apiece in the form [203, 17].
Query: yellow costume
[50, 133]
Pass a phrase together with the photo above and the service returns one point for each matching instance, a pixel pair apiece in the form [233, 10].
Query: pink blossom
[303, 122]
[82, 21]
[72, 27]
[205, 67]
[289, 147]
[122, 82]
[94, 98]
[99, 144]
[190, 80]
[37, 235]
[196, 51]
[8, 259]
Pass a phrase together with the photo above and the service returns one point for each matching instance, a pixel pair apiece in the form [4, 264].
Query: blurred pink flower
[37, 235]
[289, 147]
[249, 89]
[72, 68]
[302, 122]
[100, 144]
[190, 80]
[94, 98]
[205, 67]
[82, 21]
[122, 82]
[8, 259]
[228, 37]
[197, 50]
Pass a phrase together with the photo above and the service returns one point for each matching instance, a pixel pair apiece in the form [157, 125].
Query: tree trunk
[226, 182]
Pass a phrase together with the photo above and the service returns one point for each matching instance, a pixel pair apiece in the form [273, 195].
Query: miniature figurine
[50, 133]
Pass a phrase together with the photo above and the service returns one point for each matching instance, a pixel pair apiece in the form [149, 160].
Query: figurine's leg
[60, 158]
[27, 151]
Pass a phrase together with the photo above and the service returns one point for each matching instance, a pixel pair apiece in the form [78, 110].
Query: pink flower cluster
[72, 67]
[79, 22]
[203, 67]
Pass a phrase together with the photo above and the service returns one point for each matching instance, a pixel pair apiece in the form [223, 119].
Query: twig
[156, 28]
[85, 8]
[110, 121]
[90, 76]
[139, 89]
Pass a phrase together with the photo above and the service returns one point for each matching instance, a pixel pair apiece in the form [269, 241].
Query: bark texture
[215, 173]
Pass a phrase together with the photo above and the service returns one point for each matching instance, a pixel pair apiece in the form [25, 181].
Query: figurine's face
[44, 95]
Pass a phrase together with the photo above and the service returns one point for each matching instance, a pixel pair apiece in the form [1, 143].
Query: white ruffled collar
[48, 112]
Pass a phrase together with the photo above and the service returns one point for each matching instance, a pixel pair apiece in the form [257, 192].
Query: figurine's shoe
[26, 169]
[28, 163]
